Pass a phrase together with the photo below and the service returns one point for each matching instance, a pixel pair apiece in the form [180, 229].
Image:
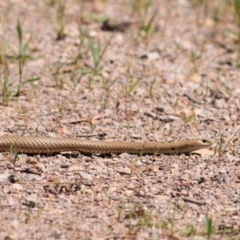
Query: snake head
[206, 142]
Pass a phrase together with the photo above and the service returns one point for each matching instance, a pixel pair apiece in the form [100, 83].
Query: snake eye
[206, 141]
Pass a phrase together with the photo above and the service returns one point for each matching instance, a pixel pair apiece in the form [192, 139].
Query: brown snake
[48, 145]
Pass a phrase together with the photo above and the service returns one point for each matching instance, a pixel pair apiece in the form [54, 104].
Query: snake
[50, 145]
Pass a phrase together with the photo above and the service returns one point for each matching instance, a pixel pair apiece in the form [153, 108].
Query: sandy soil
[178, 81]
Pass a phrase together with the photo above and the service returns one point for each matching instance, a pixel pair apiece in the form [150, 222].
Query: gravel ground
[179, 80]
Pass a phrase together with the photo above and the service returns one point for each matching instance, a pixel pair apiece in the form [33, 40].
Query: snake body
[48, 145]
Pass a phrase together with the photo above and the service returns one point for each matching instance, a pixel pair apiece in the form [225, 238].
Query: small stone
[136, 136]
[139, 163]
[17, 186]
[129, 192]
[31, 160]
[131, 186]
[64, 165]
[219, 103]
[237, 173]
[86, 176]
[153, 56]
[41, 129]
[124, 170]
[92, 33]
[222, 171]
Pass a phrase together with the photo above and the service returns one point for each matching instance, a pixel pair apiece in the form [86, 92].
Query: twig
[92, 135]
[75, 121]
[193, 201]
[231, 138]
[192, 99]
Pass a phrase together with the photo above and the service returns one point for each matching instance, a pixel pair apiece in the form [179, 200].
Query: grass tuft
[23, 55]
[146, 18]
[61, 6]
[209, 226]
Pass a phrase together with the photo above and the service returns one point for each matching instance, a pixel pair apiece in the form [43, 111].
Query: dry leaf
[204, 152]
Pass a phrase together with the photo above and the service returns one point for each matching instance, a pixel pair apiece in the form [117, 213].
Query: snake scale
[48, 145]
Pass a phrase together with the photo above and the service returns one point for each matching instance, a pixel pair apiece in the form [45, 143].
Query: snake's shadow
[71, 154]
[102, 155]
